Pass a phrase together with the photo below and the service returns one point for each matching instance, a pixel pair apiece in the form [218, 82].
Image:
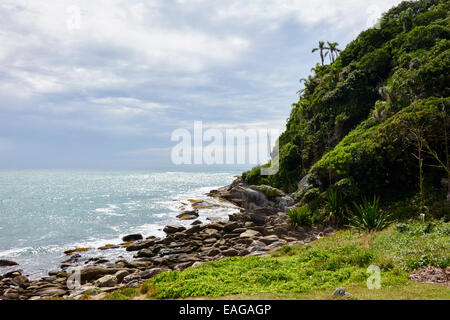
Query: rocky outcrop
[259, 228]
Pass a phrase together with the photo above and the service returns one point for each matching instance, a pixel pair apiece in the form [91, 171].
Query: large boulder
[90, 273]
[106, 281]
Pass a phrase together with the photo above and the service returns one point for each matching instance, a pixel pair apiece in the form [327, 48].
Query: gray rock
[142, 275]
[269, 239]
[340, 292]
[106, 281]
[249, 234]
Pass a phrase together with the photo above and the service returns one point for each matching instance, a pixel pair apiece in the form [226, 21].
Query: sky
[104, 84]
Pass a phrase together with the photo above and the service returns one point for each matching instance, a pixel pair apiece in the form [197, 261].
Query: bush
[335, 206]
[370, 217]
[300, 216]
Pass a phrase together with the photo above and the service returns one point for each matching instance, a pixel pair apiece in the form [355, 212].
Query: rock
[95, 272]
[269, 239]
[229, 227]
[173, 229]
[142, 275]
[139, 245]
[285, 202]
[11, 294]
[20, 281]
[230, 252]
[198, 263]
[211, 232]
[188, 213]
[120, 275]
[212, 252]
[196, 222]
[7, 263]
[108, 246]
[303, 183]
[132, 237]
[71, 251]
[249, 234]
[106, 281]
[340, 292]
[187, 217]
[184, 265]
[258, 218]
[51, 292]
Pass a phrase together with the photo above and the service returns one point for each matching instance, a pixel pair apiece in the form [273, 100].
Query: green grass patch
[339, 260]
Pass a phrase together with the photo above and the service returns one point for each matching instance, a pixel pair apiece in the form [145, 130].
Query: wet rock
[132, 237]
[7, 263]
[196, 222]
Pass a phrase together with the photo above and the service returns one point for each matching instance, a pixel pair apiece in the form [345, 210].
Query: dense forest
[374, 122]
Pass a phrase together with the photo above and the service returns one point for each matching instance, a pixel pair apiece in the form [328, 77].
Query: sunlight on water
[44, 212]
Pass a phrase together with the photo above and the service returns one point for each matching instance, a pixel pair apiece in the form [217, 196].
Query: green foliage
[335, 206]
[300, 216]
[348, 120]
[122, 294]
[369, 216]
[339, 260]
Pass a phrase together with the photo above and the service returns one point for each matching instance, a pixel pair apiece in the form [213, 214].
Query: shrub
[335, 206]
[300, 216]
[370, 217]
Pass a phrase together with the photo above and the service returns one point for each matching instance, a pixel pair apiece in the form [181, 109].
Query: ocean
[45, 212]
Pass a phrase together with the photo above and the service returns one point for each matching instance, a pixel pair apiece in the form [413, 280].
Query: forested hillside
[374, 122]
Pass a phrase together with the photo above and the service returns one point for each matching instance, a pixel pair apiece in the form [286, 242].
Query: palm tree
[334, 51]
[321, 49]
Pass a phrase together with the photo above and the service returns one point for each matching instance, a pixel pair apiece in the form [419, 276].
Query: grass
[315, 270]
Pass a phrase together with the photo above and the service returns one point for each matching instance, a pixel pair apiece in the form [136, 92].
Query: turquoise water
[44, 212]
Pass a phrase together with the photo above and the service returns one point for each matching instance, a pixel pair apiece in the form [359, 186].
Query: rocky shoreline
[260, 226]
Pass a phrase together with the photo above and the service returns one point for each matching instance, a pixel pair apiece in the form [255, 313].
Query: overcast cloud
[105, 89]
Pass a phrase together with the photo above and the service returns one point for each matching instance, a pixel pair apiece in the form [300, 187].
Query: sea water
[45, 212]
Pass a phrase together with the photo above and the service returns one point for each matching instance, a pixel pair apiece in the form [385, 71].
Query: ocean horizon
[44, 212]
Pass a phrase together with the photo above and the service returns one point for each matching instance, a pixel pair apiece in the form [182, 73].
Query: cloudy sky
[103, 84]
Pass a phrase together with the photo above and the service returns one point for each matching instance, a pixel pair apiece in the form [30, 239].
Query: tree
[444, 164]
[321, 48]
[334, 51]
